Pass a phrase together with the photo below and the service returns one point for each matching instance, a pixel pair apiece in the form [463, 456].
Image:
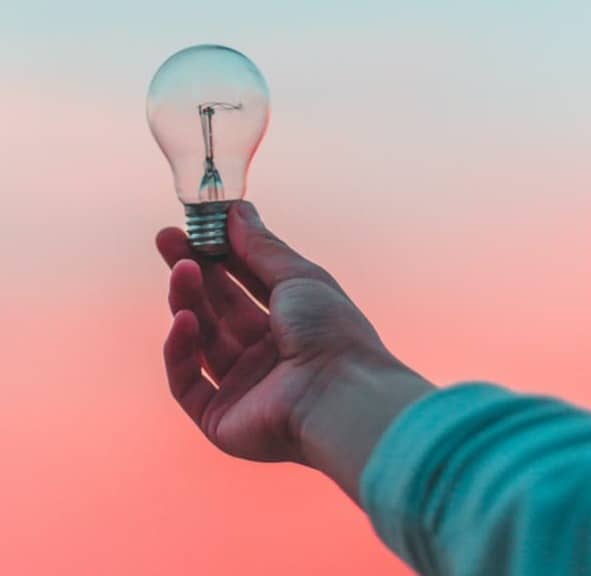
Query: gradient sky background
[434, 156]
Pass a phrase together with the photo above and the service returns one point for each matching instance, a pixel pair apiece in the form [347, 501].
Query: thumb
[263, 254]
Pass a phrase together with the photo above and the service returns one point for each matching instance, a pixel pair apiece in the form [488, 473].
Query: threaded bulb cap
[207, 227]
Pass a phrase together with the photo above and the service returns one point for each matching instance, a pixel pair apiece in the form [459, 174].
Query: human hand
[272, 369]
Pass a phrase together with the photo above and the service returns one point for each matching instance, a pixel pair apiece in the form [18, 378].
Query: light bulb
[208, 109]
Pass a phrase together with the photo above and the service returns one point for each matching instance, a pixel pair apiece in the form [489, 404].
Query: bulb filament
[211, 188]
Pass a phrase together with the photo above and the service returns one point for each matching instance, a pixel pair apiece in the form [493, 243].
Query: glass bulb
[208, 108]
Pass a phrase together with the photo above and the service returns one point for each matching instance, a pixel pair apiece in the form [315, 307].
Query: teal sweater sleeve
[476, 480]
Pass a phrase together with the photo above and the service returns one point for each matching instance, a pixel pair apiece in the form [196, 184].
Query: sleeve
[476, 480]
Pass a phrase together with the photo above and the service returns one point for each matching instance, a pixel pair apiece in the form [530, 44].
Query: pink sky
[456, 213]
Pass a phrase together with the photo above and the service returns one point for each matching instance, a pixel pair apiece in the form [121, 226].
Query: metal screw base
[207, 227]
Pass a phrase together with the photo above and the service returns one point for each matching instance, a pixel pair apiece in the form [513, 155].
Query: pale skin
[304, 378]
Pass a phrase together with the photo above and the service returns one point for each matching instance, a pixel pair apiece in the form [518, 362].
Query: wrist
[342, 416]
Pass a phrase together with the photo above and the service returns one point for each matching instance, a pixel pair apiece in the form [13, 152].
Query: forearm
[476, 479]
[339, 425]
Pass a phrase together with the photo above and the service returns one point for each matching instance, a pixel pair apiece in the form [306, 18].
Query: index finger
[173, 246]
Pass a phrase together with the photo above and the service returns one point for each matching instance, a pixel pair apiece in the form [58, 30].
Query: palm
[265, 382]
[262, 360]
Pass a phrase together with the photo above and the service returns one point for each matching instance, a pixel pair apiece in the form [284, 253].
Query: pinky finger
[187, 384]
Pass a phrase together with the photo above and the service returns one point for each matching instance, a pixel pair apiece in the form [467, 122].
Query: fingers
[173, 246]
[260, 255]
[246, 320]
[240, 271]
[188, 386]
[218, 346]
[259, 260]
